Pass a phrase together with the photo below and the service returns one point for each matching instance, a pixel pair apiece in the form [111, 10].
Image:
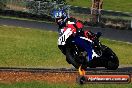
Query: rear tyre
[70, 57]
[68, 60]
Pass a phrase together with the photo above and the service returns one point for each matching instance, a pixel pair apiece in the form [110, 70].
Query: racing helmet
[60, 17]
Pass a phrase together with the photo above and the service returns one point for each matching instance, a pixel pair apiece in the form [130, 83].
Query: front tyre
[112, 61]
[111, 65]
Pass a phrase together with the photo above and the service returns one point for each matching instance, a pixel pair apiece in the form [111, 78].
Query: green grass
[33, 85]
[117, 5]
[22, 47]
[49, 85]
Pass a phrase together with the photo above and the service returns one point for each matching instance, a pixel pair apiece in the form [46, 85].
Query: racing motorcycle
[76, 55]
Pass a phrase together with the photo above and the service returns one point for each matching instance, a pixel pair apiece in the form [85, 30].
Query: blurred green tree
[3, 4]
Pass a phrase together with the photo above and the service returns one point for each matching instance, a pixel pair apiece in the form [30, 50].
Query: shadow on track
[120, 69]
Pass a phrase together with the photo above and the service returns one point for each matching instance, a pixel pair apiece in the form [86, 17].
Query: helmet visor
[57, 14]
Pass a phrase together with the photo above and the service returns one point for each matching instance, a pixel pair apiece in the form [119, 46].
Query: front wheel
[111, 65]
[112, 61]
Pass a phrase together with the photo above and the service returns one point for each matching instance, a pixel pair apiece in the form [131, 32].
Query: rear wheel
[68, 60]
[72, 57]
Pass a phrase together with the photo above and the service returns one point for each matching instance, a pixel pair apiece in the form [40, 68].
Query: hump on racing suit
[74, 24]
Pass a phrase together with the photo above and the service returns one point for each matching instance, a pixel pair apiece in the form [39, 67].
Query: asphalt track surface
[99, 70]
[120, 35]
[113, 34]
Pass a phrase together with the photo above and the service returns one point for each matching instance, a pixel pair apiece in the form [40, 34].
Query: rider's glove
[98, 34]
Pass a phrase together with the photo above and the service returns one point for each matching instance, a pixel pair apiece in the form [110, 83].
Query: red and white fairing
[66, 32]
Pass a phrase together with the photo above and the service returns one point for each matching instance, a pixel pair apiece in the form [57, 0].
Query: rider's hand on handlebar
[98, 34]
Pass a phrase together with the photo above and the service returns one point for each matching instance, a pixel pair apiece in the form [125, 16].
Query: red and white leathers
[87, 35]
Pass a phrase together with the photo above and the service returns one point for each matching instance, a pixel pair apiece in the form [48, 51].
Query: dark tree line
[2, 4]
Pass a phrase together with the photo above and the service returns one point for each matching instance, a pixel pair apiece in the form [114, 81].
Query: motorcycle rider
[85, 40]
